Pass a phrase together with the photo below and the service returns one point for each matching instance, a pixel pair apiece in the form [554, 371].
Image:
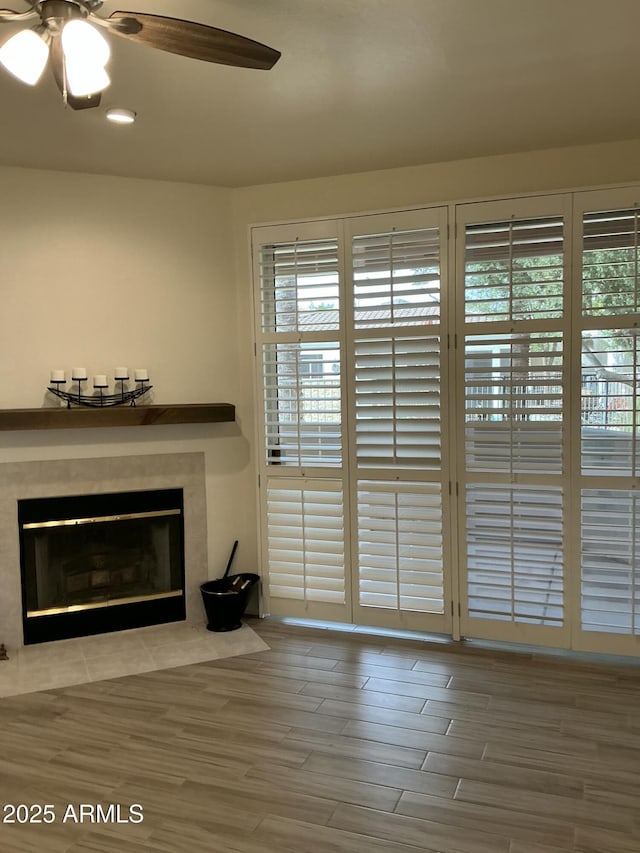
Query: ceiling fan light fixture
[86, 53]
[25, 56]
[79, 53]
[121, 116]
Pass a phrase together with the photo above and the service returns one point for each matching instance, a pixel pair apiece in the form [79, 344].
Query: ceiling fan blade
[9, 16]
[197, 41]
[56, 58]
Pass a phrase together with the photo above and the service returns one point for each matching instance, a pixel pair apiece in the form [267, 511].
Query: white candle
[121, 373]
[78, 372]
[57, 376]
[141, 374]
[100, 380]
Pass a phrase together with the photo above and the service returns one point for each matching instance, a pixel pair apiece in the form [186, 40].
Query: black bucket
[226, 599]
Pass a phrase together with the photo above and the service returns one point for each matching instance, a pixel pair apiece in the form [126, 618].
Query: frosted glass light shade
[82, 41]
[25, 56]
[85, 80]
[86, 52]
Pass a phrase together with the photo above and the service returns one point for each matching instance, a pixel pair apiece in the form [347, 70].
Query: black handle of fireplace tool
[233, 553]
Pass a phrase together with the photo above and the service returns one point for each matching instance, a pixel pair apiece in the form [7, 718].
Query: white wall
[101, 271]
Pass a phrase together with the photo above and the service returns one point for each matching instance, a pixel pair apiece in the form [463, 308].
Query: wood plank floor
[332, 743]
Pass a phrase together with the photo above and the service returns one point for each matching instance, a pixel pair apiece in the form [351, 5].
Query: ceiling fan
[65, 33]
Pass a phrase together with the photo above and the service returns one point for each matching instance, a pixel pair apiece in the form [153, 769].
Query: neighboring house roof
[326, 320]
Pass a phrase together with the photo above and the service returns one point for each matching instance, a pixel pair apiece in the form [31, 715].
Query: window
[299, 309]
[395, 360]
[350, 351]
[514, 270]
[456, 452]
[513, 321]
[515, 553]
[609, 417]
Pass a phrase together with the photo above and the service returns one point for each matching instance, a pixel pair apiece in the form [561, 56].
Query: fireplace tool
[230, 560]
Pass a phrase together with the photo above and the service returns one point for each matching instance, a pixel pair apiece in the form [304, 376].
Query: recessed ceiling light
[120, 116]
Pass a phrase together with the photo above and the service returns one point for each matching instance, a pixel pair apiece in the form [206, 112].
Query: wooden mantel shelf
[116, 416]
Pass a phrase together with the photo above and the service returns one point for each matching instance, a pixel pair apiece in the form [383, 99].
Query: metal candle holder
[122, 397]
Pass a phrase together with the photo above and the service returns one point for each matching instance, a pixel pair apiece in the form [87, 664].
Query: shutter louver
[610, 582]
[397, 402]
[513, 402]
[400, 546]
[306, 540]
[396, 278]
[299, 286]
[514, 270]
[514, 553]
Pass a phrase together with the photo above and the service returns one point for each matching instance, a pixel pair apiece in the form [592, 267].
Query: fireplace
[96, 563]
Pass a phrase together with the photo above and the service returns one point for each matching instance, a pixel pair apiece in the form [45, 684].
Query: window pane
[514, 553]
[306, 541]
[513, 402]
[610, 376]
[400, 546]
[396, 278]
[610, 580]
[514, 270]
[398, 402]
[302, 404]
[610, 263]
[299, 286]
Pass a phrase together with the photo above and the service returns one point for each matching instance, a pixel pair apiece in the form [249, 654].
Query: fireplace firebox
[92, 564]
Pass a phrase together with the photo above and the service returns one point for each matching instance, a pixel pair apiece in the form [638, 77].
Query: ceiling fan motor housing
[56, 13]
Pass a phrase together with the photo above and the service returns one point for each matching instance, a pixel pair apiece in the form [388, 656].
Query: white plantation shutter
[397, 304]
[400, 546]
[519, 521]
[299, 349]
[305, 524]
[397, 402]
[512, 395]
[610, 576]
[514, 553]
[609, 607]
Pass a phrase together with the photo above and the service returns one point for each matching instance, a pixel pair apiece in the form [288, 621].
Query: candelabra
[122, 393]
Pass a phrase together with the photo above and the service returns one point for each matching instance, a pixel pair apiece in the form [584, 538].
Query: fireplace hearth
[97, 563]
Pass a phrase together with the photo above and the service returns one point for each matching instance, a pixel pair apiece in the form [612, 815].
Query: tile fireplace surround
[56, 478]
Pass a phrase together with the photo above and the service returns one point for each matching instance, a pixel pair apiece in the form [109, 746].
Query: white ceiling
[362, 84]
